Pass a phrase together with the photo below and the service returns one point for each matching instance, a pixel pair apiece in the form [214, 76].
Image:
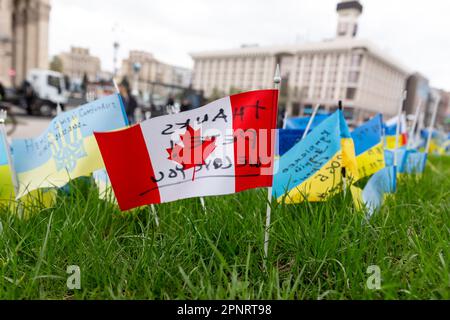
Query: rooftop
[338, 44]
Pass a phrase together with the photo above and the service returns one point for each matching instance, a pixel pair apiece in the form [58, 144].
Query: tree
[56, 64]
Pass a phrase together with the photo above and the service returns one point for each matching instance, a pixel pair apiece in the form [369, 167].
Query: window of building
[353, 76]
[356, 59]
[342, 28]
[351, 93]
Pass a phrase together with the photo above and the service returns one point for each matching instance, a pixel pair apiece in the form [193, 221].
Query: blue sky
[416, 32]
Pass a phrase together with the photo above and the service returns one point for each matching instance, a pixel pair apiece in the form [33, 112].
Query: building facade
[147, 75]
[79, 62]
[344, 68]
[23, 38]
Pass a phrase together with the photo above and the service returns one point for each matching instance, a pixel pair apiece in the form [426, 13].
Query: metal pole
[277, 82]
[311, 120]
[397, 132]
[413, 127]
[432, 123]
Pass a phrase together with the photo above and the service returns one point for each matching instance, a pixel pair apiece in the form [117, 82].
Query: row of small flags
[225, 147]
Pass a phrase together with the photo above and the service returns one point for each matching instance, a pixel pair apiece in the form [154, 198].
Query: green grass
[317, 251]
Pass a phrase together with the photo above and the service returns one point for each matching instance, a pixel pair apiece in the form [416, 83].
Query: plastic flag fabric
[287, 138]
[300, 123]
[390, 132]
[67, 149]
[401, 158]
[415, 162]
[6, 182]
[312, 169]
[371, 197]
[222, 148]
[369, 147]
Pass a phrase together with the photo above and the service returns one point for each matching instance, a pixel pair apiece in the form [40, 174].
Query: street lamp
[116, 47]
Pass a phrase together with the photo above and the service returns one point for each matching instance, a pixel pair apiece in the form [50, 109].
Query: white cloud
[413, 31]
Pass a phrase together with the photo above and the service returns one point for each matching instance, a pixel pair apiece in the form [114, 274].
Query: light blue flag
[67, 149]
[415, 162]
[381, 183]
[300, 123]
[401, 158]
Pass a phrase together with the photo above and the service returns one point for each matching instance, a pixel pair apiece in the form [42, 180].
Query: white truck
[50, 89]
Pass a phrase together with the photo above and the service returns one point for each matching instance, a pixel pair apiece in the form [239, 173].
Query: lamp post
[116, 47]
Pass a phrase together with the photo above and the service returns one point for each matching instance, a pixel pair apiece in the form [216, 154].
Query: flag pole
[15, 181]
[414, 125]
[397, 129]
[310, 122]
[433, 122]
[343, 170]
[285, 116]
[277, 82]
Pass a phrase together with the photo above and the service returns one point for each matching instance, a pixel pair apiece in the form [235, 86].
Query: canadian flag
[224, 147]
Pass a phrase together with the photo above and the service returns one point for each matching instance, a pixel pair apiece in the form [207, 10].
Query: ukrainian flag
[6, 182]
[390, 132]
[381, 184]
[39, 198]
[67, 149]
[369, 146]
[312, 170]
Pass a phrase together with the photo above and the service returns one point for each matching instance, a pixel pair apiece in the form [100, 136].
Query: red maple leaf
[194, 150]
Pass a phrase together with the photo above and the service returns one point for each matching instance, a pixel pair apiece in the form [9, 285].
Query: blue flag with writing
[67, 149]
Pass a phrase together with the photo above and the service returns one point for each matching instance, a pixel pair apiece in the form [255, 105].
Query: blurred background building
[79, 63]
[149, 76]
[344, 68]
[23, 38]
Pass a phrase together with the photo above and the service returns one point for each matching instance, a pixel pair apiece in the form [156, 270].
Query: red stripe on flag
[129, 167]
[252, 112]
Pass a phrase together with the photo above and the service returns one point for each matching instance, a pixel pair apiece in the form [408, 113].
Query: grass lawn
[317, 250]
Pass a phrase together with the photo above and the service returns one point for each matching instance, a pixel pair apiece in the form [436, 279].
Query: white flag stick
[397, 132]
[414, 125]
[202, 202]
[155, 214]
[311, 120]
[285, 119]
[58, 109]
[277, 82]
[116, 86]
[437, 100]
[152, 206]
[15, 181]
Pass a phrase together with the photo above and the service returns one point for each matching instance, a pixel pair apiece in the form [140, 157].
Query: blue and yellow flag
[369, 146]
[372, 196]
[6, 182]
[67, 149]
[312, 169]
